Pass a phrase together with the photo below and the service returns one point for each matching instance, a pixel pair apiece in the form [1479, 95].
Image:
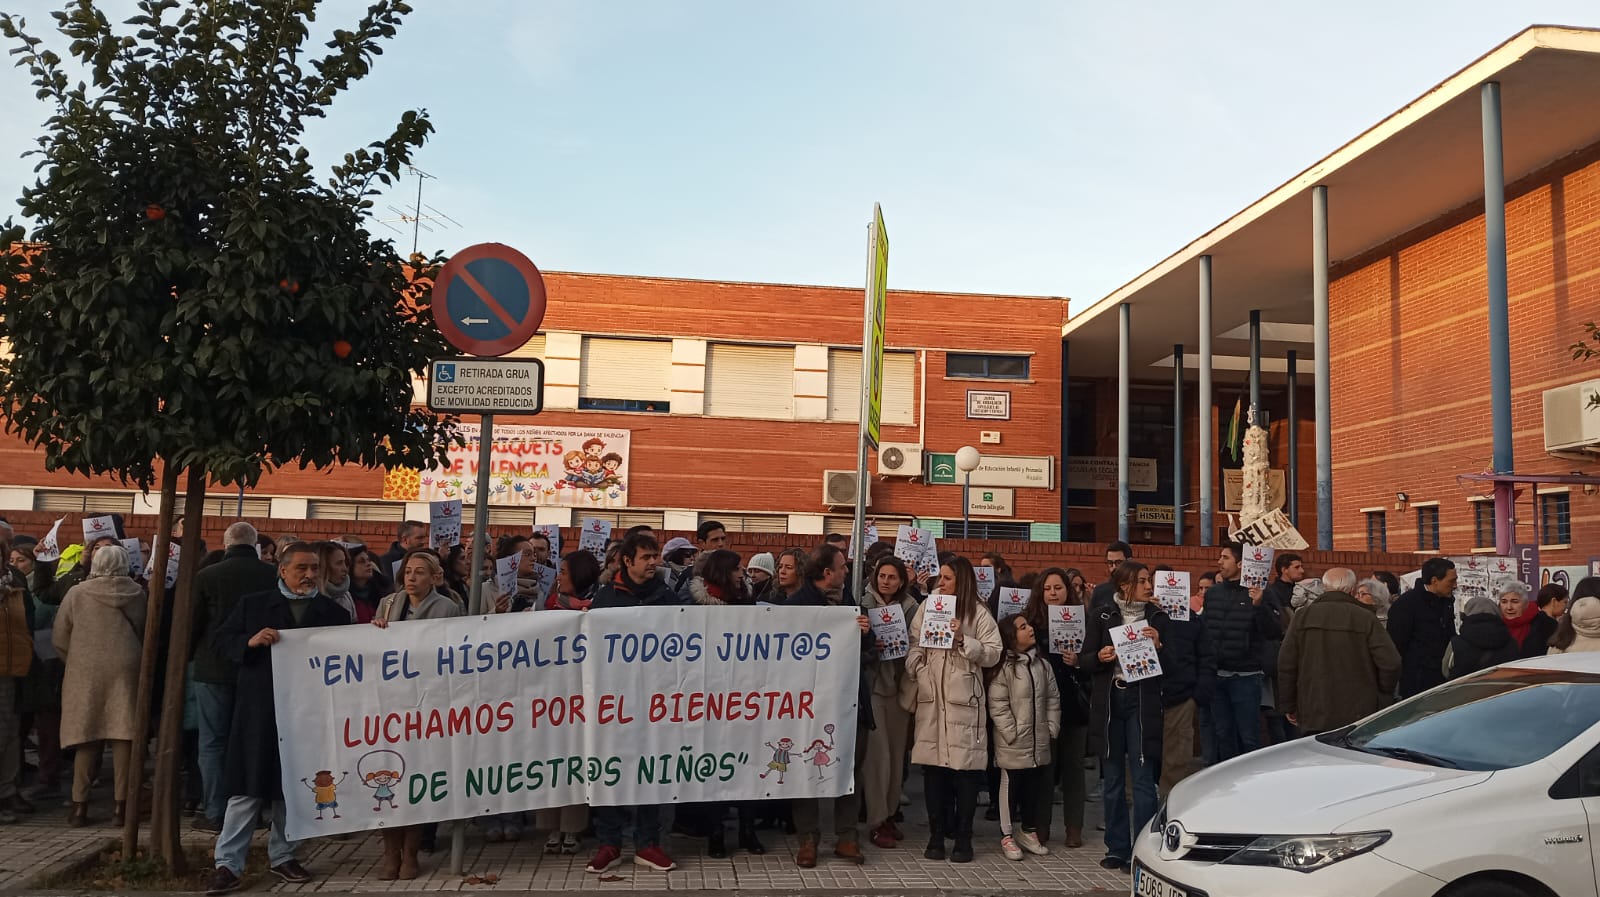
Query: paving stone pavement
[42, 845]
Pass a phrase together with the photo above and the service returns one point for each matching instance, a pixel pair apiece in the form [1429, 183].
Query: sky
[1039, 148]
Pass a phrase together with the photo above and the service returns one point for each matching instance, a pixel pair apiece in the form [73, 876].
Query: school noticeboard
[528, 466]
[449, 719]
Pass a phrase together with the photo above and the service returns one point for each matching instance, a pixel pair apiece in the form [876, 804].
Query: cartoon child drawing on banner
[381, 771]
[574, 463]
[820, 751]
[782, 754]
[325, 790]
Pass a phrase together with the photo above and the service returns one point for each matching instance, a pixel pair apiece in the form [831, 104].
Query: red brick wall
[1410, 361]
[1022, 556]
[723, 464]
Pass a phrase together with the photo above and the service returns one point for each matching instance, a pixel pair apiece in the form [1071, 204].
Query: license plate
[1147, 885]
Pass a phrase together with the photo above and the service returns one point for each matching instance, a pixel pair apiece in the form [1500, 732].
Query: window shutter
[899, 386]
[533, 348]
[639, 369]
[750, 381]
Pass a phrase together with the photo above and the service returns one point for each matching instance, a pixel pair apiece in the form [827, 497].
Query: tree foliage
[199, 295]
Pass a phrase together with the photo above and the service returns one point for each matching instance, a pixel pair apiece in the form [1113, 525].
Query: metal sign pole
[858, 524]
[480, 545]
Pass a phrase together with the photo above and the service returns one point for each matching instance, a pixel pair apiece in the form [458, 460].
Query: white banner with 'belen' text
[434, 720]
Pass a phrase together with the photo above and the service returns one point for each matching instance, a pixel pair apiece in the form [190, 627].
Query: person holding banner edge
[253, 778]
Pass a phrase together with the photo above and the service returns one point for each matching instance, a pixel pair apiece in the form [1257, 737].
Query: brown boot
[389, 865]
[1074, 836]
[78, 816]
[806, 856]
[411, 841]
[849, 850]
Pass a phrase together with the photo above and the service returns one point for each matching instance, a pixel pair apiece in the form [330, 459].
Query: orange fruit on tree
[342, 348]
[154, 212]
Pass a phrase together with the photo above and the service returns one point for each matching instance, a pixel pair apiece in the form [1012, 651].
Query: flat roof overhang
[1415, 166]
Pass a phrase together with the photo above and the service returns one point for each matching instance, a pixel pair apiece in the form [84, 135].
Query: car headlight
[1159, 821]
[1306, 853]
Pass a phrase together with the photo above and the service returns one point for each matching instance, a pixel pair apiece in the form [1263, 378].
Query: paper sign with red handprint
[938, 613]
[1172, 593]
[889, 629]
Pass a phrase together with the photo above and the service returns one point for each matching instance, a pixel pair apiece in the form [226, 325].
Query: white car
[1488, 786]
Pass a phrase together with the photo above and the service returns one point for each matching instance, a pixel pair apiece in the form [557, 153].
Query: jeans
[214, 705]
[610, 822]
[1069, 753]
[1208, 734]
[239, 823]
[1125, 751]
[1236, 713]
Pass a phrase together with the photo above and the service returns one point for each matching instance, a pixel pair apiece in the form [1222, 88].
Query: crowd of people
[1002, 717]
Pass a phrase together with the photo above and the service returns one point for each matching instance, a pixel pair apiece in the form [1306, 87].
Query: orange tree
[200, 300]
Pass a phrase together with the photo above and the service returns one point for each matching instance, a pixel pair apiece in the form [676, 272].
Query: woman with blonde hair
[99, 632]
[421, 575]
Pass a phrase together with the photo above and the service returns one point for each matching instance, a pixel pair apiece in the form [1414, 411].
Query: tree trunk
[164, 836]
[147, 661]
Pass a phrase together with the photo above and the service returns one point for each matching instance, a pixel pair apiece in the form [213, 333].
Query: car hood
[1305, 787]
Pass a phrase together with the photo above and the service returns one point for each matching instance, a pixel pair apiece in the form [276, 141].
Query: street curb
[80, 860]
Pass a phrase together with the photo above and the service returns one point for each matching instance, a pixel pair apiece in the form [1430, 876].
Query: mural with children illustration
[527, 466]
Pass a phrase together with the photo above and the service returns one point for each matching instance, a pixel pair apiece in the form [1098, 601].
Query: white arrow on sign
[467, 322]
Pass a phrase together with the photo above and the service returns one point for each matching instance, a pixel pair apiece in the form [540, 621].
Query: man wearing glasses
[1106, 593]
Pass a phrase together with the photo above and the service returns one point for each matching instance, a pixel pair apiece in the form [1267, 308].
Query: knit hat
[764, 563]
[1480, 605]
[1585, 613]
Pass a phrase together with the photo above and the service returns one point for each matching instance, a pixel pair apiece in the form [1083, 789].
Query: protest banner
[985, 577]
[49, 549]
[528, 466]
[1255, 568]
[1067, 628]
[1172, 593]
[890, 630]
[444, 523]
[432, 720]
[918, 549]
[593, 536]
[938, 613]
[1012, 602]
[1273, 530]
[1136, 654]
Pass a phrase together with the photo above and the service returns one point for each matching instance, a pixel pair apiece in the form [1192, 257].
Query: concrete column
[1124, 428]
[1292, 468]
[1255, 368]
[1066, 434]
[1319, 302]
[1208, 445]
[1494, 226]
[1177, 444]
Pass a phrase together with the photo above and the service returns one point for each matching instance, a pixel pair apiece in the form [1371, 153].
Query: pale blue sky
[1056, 148]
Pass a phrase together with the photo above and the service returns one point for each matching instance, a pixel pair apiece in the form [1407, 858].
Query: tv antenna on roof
[421, 217]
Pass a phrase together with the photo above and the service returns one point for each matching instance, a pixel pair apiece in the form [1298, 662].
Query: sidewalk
[42, 845]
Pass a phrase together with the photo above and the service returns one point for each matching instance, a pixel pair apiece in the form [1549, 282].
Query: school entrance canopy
[1529, 99]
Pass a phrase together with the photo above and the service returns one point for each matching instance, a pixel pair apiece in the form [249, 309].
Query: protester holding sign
[1053, 588]
[1126, 728]
[1239, 627]
[1189, 675]
[883, 771]
[419, 599]
[951, 714]
[253, 778]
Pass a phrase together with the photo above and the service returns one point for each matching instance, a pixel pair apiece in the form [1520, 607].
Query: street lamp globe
[968, 458]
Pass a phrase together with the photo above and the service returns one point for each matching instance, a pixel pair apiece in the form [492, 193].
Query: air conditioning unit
[839, 488]
[899, 459]
[1570, 424]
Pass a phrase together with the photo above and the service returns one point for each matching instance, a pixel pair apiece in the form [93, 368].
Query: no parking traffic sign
[488, 299]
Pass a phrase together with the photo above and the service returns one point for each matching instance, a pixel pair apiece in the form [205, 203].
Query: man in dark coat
[1422, 622]
[1239, 626]
[217, 590]
[1188, 680]
[636, 585]
[1338, 664]
[252, 777]
[409, 536]
[1104, 594]
[1288, 569]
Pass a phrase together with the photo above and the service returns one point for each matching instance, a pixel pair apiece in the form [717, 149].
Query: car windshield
[1495, 720]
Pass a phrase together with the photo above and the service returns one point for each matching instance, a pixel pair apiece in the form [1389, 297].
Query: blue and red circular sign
[488, 300]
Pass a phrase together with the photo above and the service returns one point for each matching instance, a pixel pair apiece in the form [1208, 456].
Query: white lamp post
[967, 460]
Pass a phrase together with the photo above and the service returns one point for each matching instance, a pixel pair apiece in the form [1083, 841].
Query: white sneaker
[1030, 843]
[1008, 846]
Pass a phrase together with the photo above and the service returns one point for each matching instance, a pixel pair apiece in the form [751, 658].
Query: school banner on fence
[528, 466]
[433, 720]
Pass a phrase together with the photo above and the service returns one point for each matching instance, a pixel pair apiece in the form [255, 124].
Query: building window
[1428, 528]
[1555, 519]
[1377, 531]
[987, 367]
[1483, 524]
[899, 386]
[625, 375]
[985, 529]
[750, 381]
